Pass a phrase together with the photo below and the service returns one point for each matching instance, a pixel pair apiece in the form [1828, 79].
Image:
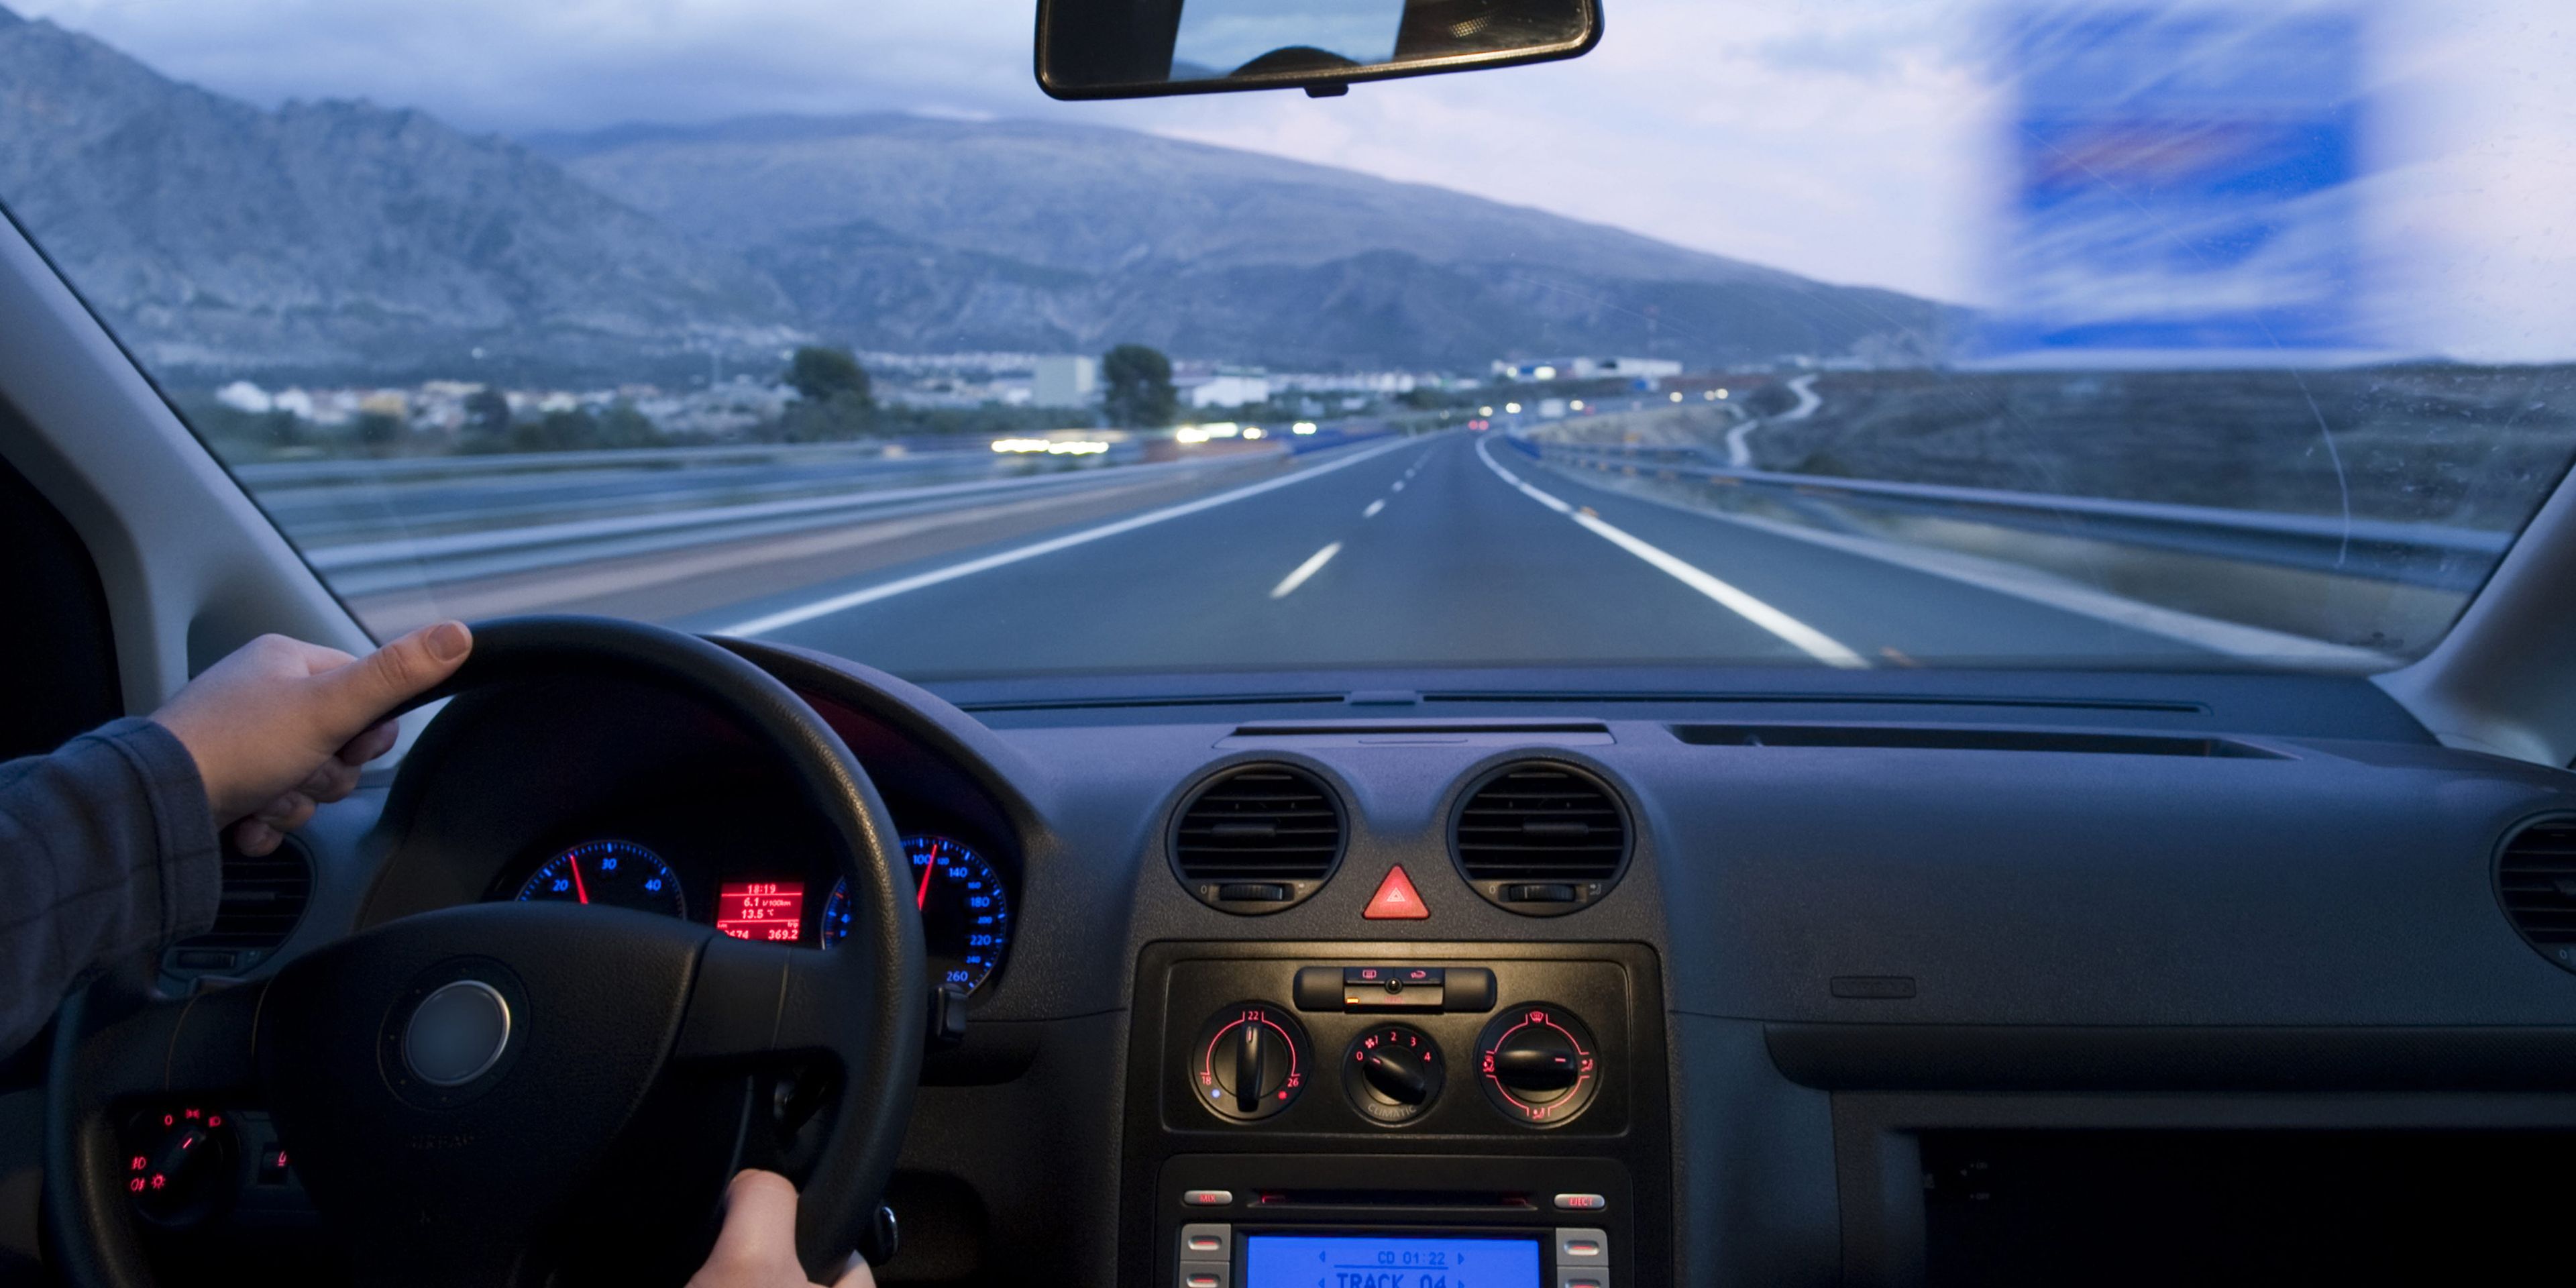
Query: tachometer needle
[922, 899]
[579, 891]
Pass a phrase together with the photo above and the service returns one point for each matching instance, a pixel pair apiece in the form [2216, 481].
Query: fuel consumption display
[766, 911]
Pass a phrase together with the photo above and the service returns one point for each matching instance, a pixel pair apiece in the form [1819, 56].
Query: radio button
[1212, 1275]
[1207, 1243]
[1207, 1198]
[1584, 1279]
[1580, 1202]
[1582, 1248]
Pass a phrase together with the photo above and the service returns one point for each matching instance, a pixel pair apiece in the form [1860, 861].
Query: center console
[1411, 1115]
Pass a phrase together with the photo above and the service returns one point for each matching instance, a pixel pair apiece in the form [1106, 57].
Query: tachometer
[620, 874]
[965, 913]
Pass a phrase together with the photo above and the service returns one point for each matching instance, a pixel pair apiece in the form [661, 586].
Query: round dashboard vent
[1258, 839]
[2536, 879]
[1539, 838]
[263, 899]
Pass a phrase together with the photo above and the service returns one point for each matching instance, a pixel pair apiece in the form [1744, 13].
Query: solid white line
[840, 603]
[1374, 507]
[1806, 639]
[2022, 581]
[1314, 563]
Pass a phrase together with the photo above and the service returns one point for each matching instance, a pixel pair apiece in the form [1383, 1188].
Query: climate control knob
[1538, 1065]
[1393, 1073]
[1251, 1062]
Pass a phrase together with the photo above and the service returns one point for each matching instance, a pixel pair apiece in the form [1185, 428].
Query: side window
[57, 651]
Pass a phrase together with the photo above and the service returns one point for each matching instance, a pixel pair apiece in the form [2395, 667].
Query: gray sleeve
[107, 849]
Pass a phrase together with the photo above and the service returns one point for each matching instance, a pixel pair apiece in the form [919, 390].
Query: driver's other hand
[281, 725]
[757, 1248]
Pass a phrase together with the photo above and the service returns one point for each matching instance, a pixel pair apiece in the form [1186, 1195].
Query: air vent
[263, 899]
[1541, 839]
[2536, 878]
[1258, 839]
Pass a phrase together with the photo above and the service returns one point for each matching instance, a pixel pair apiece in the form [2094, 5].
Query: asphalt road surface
[1454, 550]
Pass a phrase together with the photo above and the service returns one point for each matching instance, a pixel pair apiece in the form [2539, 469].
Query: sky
[1855, 141]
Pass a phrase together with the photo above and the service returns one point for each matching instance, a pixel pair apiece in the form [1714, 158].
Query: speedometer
[965, 912]
[620, 874]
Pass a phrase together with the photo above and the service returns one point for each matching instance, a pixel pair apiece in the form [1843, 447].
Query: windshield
[2156, 334]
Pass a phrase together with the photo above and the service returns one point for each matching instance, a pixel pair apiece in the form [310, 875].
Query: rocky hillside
[903, 232]
[223, 239]
[323, 236]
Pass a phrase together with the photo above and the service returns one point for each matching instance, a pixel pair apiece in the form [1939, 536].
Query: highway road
[1451, 549]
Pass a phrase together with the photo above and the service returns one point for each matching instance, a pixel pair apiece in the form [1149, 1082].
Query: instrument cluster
[962, 896]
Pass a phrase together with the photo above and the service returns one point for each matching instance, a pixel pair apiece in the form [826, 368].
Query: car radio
[1343, 1116]
[1299, 1221]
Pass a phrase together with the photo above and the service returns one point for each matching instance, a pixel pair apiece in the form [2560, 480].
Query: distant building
[242, 395]
[1588, 369]
[1365, 382]
[1066, 380]
[1223, 387]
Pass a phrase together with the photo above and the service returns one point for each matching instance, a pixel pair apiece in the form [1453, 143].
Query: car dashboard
[1929, 978]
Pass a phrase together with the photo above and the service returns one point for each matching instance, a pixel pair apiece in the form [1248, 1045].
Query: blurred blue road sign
[2182, 182]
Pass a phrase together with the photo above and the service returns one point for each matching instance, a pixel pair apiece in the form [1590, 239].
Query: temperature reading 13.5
[770, 911]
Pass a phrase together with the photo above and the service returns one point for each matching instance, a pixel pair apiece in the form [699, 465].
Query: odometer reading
[620, 874]
[965, 912]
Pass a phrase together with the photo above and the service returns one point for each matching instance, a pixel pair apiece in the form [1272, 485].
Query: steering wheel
[451, 1083]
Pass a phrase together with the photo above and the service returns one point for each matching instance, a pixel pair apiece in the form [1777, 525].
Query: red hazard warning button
[1396, 899]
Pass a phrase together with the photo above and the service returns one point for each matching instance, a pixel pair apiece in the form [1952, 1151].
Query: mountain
[220, 238]
[905, 232]
[334, 236]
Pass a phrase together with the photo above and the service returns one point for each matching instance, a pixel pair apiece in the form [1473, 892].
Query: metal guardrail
[905, 455]
[399, 559]
[2442, 556]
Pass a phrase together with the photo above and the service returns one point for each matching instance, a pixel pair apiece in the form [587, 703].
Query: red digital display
[770, 911]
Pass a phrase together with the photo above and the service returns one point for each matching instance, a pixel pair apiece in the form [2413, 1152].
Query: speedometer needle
[922, 900]
[579, 891]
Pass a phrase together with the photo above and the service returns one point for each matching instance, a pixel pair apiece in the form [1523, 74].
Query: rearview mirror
[1138, 48]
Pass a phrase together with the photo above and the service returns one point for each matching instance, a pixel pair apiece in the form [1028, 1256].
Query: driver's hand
[757, 1248]
[281, 725]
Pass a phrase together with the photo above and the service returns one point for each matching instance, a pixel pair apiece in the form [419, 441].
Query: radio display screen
[1389, 1261]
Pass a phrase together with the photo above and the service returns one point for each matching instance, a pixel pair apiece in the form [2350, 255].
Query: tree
[378, 432]
[487, 411]
[832, 397]
[1138, 387]
[567, 430]
[623, 426]
[823, 375]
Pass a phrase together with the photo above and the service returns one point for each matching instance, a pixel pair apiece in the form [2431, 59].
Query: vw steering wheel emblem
[457, 1033]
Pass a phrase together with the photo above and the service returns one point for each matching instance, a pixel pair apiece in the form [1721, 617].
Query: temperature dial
[1252, 1061]
[1538, 1065]
[1393, 1073]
